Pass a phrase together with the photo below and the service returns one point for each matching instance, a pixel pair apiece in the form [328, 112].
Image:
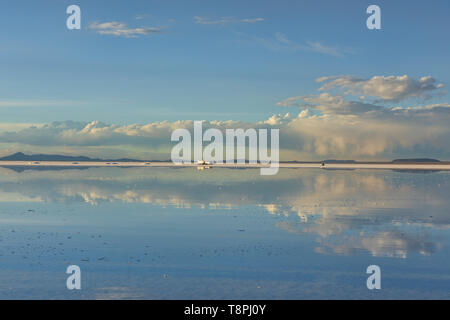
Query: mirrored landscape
[183, 233]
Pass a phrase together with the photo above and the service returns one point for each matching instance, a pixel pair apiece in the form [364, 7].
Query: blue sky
[232, 70]
[227, 60]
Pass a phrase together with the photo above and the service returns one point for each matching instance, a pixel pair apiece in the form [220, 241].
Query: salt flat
[175, 233]
[379, 165]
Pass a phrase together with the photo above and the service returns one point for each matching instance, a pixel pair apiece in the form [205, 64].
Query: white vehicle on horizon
[204, 163]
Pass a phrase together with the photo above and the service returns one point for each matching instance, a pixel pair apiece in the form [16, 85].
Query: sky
[138, 69]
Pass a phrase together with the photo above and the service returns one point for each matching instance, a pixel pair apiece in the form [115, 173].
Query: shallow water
[180, 233]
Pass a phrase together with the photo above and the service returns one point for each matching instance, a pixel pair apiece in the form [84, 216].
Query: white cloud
[332, 126]
[386, 88]
[278, 119]
[120, 29]
[289, 102]
[330, 104]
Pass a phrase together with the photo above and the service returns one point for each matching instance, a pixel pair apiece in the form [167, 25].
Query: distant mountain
[20, 156]
[20, 169]
[420, 160]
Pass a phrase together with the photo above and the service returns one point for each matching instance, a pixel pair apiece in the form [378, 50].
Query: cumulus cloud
[386, 88]
[95, 133]
[375, 134]
[278, 119]
[344, 130]
[336, 104]
[120, 29]
[334, 125]
[327, 125]
[329, 104]
[225, 20]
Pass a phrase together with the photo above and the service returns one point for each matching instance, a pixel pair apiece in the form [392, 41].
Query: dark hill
[20, 156]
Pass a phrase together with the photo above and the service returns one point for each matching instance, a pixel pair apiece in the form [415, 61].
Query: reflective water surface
[181, 233]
